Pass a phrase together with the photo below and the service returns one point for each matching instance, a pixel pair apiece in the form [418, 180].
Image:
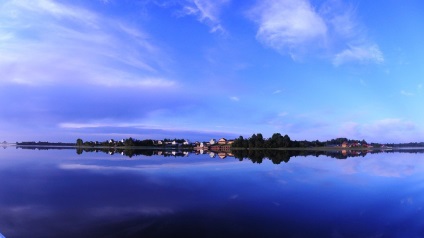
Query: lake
[69, 193]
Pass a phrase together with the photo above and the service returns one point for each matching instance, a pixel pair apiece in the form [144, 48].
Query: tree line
[279, 141]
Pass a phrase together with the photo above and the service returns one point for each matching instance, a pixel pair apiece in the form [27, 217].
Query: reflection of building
[222, 145]
[222, 155]
[201, 146]
[220, 148]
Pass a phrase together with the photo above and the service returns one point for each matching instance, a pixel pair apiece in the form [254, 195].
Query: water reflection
[255, 155]
[56, 193]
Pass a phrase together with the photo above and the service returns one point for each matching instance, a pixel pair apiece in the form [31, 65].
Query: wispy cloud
[277, 91]
[50, 43]
[206, 11]
[386, 130]
[298, 28]
[234, 98]
[405, 93]
[361, 54]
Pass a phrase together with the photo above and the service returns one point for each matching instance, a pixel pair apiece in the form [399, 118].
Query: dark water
[58, 193]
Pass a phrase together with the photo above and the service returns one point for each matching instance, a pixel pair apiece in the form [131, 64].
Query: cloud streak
[206, 11]
[385, 130]
[361, 54]
[50, 43]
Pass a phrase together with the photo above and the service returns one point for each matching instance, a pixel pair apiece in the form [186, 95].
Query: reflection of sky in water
[60, 194]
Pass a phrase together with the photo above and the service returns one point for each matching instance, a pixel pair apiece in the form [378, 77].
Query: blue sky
[202, 69]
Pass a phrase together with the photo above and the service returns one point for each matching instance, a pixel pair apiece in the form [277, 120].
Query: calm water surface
[58, 193]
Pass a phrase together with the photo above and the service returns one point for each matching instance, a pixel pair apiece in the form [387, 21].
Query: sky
[202, 69]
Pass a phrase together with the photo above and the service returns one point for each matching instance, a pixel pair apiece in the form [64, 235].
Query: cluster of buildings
[171, 143]
[214, 145]
[355, 144]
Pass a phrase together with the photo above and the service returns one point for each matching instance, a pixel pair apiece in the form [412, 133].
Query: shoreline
[192, 148]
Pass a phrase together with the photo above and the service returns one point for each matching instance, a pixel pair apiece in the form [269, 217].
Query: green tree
[286, 141]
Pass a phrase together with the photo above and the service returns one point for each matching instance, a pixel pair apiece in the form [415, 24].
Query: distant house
[222, 141]
[186, 142]
[345, 144]
[203, 144]
[200, 146]
[159, 142]
[212, 141]
[355, 144]
[175, 143]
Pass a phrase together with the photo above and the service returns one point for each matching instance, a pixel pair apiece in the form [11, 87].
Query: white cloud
[361, 54]
[52, 43]
[277, 91]
[234, 98]
[297, 28]
[390, 123]
[288, 25]
[384, 130]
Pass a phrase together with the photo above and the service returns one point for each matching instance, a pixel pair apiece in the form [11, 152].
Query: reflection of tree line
[132, 152]
[278, 156]
[46, 147]
[256, 156]
[409, 150]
